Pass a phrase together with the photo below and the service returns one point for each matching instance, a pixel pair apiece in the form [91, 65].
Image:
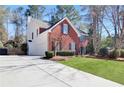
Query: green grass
[108, 69]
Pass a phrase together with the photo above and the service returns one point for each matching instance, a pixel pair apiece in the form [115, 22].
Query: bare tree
[95, 16]
[17, 18]
[115, 15]
[3, 16]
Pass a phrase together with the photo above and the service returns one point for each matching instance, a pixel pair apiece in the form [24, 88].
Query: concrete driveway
[30, 71]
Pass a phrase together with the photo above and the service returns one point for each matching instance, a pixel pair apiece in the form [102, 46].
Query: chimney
[29, 19]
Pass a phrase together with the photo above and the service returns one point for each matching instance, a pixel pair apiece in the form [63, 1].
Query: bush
[103, 52]
[65, 53]
[122, 52]
[11, 43]
[9, 46]
[49, 54]
[24, 48]
[111, 54]
[1, 45]
[114, 53]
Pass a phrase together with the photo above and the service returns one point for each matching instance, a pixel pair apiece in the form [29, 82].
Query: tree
[90, 48]
[112, 15]
[3, 15]
[107, 42]
[26, 14]
[36, 11]
[18, 19]
[1, 45]
[3, 36]
[115, 15]
[95, 16]
[65, 11]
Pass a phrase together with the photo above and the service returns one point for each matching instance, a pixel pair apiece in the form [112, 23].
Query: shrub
[24, 48]
[1, 45]
[114, 53]
[11, 43]
[122, 52]
[9, 46]
[49, 54]
[103, 52]
[65, 53]
[111, 54]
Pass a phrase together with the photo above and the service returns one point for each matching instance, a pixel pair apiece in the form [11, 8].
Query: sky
[47, 10]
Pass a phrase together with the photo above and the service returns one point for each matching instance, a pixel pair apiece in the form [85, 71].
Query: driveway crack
[54, 76]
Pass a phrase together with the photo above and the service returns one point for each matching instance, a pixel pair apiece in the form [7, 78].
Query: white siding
[39, 45]
[33, 25]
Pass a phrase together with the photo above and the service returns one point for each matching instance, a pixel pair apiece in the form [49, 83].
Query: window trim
[32, 35]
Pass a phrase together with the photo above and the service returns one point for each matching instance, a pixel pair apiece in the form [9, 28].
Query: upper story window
[65, 28]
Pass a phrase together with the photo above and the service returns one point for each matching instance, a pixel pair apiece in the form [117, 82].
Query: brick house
[62, 36]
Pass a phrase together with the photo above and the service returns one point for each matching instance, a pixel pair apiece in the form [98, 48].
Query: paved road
[30, 71]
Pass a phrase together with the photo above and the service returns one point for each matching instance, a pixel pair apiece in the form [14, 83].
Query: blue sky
[12, 7]
[48, 9]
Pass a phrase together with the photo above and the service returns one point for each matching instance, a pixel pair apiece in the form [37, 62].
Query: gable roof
[82, 32]
[43, 24]
[49, 27]
[68, 22]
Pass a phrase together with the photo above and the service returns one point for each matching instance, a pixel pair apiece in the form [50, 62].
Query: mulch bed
[64, 58]
[60, 58]
[106, 58]
[120, 59]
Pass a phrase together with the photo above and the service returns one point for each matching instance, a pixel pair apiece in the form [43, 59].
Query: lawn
[108, 69]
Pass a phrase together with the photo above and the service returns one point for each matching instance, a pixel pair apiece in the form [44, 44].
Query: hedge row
[65, 53]
[111, 53]
[50, 54]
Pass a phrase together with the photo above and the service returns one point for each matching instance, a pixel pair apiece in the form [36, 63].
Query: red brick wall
[65, 39]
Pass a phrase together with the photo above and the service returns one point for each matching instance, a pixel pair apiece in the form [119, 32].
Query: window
[32, 35]
[53, 47]
[60, 45]
[37, 32]
[65, 28]
[69, 46]
[72, 46]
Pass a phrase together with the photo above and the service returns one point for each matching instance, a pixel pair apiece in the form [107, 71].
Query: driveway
[30, 71]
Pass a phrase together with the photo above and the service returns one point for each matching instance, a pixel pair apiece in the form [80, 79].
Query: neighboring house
[62, 36]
